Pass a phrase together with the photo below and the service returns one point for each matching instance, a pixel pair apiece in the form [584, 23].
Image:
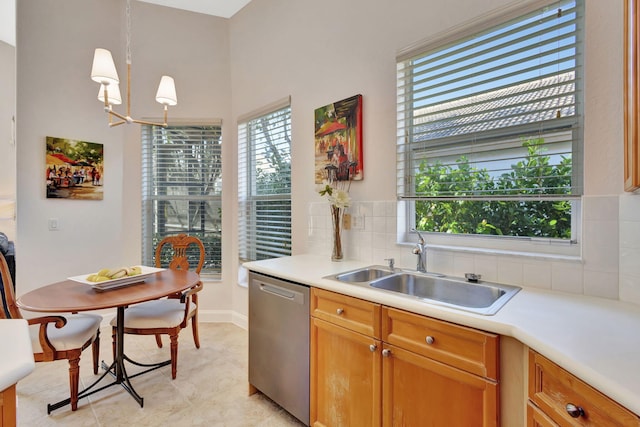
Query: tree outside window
[182, 188]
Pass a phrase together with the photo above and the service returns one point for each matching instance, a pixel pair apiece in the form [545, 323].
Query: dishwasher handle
[279, 291]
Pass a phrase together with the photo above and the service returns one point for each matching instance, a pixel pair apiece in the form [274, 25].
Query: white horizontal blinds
[495, 115]
[264, 185]
[182, 186]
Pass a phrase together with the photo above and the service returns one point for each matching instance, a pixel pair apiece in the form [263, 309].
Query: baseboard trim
[224, 316]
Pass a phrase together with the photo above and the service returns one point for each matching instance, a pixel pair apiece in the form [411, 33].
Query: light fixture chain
[128, 11]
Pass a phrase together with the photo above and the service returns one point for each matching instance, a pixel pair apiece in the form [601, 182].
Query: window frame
[247, 197]
[150, 199]
[510, 245]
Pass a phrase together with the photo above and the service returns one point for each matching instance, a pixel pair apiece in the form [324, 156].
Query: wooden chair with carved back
[55, 337]
[169, 315]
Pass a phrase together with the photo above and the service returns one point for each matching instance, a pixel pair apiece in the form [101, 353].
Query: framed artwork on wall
[74, 169]
[338, 141]
[631, 95]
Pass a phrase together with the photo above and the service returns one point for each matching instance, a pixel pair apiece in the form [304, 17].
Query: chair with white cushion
[55, 337]
[169, 315]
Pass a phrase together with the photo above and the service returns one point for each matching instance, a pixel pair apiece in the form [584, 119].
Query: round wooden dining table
[69, 296]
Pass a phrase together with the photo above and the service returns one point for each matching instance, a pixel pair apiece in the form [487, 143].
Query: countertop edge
[559, 326]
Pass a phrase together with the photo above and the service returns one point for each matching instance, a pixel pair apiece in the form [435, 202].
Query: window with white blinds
[264, 183]
[490, 127]
[182, 188]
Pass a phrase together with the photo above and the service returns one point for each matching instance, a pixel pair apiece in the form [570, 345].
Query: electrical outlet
[346, 221]
[357, 222]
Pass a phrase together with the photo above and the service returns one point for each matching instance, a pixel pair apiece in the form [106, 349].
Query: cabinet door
[345, 377]
[418, 391]
[537, 418]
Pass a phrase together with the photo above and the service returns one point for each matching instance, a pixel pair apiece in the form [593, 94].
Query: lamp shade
[103, 70]
[113, 94]
[166, 94]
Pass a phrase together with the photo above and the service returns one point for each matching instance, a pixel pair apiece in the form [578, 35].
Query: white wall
[7, 146]
[56, 97]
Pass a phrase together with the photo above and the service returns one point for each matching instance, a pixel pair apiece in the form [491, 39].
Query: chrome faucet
[420, 250]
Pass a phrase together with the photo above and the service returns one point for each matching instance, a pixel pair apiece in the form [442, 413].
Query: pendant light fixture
[104, 72]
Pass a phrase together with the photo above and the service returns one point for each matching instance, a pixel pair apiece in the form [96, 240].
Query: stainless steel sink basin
[483, 298]
[366, 274]
[478, 297]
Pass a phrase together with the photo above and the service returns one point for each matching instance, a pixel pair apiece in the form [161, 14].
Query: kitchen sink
[450, 291]
[366, 274]
[475, 296]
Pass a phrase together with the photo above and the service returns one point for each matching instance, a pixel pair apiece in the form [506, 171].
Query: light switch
[357, 222]
[53, 224]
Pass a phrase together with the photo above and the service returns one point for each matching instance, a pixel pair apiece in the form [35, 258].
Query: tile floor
[211, 388]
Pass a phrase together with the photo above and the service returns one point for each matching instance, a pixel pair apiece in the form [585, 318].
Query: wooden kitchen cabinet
[373, 365]
[345, 377]
[418, 391]
[465, 348]
[345, 361]
[537, 418]
[351, 313]
[436, 373]
[555, 394]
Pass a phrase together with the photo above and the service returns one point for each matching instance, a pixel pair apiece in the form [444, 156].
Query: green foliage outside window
[534, 175]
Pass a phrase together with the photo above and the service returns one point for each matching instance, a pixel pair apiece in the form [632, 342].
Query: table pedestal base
[116, 370]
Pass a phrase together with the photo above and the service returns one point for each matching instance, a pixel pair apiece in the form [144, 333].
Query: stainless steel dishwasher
[279, 342]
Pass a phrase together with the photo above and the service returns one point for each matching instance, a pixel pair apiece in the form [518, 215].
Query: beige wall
[320, 52]
[55, 43]
[7, 145]
[317, 52]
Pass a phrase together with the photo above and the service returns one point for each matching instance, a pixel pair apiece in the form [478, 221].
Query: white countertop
[17, 355]
[596, 339]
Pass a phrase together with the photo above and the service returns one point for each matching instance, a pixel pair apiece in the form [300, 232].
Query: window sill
[539, 256]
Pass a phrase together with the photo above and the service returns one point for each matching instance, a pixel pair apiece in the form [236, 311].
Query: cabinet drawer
[551, 388]
[352, 313]
[464, 348]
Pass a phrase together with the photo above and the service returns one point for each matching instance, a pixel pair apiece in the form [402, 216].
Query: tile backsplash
[609, 266]
[629, 238]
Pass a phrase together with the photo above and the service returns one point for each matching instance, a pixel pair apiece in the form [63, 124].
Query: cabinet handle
[386, 352]
[574, 411]
[373, 347]
[430, 340]
[339, 311]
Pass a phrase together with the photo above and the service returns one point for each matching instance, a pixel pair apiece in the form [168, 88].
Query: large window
[181, 188]
[489, 128]
[264, 183]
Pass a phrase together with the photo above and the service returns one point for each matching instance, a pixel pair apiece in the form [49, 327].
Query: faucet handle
[472, 277]
[419, 235]
[391, 262]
